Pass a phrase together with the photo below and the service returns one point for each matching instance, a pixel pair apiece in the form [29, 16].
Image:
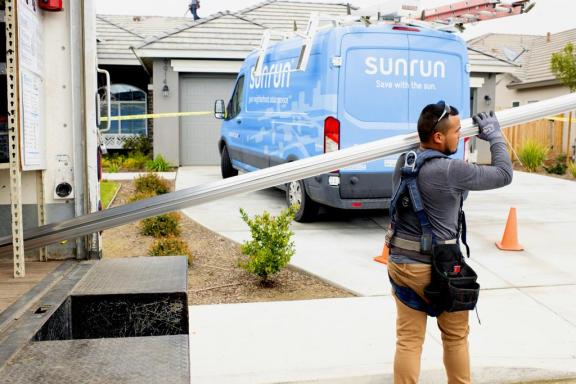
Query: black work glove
[489, 127]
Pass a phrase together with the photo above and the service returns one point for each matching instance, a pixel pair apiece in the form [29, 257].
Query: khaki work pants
[411, 328]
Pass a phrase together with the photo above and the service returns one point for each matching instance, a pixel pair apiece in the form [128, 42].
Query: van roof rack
[314, 25]
[448, 18]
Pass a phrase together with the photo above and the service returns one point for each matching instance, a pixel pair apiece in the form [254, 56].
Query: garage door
[199, 134]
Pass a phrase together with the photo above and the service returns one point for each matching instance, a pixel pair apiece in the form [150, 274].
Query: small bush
[159, 164]
[532, 155]
[138, 144]
[572, 169]
[271, 248]
[141, 196]
[559, 167]
[161, 225]
[135, 162]
[171, 246]
[152, 183]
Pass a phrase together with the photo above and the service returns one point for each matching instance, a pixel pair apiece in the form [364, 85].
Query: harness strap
[411, 245]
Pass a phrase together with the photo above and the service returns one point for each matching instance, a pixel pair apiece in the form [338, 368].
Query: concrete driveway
[528, 329]
[339, 247]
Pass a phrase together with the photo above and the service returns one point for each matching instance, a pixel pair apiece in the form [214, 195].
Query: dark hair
[429, 122]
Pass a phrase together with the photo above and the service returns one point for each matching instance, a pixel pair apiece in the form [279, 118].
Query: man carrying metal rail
[428, 273]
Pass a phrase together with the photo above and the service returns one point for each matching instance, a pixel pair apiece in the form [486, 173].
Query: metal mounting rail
[265, 178]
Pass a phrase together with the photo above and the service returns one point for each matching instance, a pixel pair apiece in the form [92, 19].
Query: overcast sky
[548, 15]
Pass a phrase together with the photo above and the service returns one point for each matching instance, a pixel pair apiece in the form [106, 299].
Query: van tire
[226, 167]
[296, 194]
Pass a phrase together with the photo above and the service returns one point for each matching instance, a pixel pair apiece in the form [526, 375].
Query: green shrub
[559, 167]
[170, 246]
[572, 169]
[271, 248]
[159, 164]
[152, 183]
[141, 196]
[114, 166]
[532, 155]
[112, 163]
[135, 162]
[138, 144]
[161, 225]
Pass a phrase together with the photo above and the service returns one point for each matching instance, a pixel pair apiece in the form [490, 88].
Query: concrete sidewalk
[527, 304]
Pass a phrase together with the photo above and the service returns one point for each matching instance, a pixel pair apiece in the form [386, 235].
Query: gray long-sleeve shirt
[442, 184]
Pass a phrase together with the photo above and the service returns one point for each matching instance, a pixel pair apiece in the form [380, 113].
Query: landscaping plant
[136, 161]
[151, 183]
[572, 169]
[161, 225]
[171, 246]
[159, 164]
[559, 167]
[141, 196]
[532, 155]
[138, 145]
[271, 248]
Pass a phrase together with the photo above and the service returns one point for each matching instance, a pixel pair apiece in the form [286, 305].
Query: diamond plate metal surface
[164, 274]
[138, 360]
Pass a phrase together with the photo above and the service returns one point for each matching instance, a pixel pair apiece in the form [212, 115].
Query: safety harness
[444, 254]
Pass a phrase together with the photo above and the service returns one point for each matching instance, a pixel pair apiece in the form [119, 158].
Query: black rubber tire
[296, 192]
[226, 168]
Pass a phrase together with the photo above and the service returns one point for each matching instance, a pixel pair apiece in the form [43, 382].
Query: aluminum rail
[265, 178]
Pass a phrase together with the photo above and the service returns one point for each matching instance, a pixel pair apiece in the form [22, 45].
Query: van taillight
[466, 148]
[404, 28]
[331, 134]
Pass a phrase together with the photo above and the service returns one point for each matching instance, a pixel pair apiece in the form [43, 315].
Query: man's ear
[438, 137]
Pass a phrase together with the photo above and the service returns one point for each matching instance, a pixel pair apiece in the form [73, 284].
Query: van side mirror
[219, 109]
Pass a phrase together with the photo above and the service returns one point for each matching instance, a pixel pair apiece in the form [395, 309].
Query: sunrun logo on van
[401, 67]
[275, 76]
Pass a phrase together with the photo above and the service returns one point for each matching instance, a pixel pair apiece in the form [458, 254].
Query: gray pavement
[527, 304]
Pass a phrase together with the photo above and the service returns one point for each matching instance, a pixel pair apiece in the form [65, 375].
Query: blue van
[362, 83]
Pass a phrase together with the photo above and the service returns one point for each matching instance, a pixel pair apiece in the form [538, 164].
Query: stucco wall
[506, 96]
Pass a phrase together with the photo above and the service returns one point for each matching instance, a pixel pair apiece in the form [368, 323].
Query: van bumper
[322, 192]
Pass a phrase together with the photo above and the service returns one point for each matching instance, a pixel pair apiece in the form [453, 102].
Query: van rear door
[373, 104]
[440, 73]
[386, 79]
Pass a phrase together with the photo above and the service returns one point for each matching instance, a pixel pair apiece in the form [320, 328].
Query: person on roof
[424, 238]
[194, 5]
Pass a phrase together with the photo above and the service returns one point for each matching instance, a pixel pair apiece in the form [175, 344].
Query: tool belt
[453, 287]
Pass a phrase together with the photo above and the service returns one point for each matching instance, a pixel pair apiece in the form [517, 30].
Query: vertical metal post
[40, 204]
[12, 74]
[568, 158]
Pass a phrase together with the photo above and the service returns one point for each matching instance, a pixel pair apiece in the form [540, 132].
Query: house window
[125, 100]
[515, 104]
[532, 101]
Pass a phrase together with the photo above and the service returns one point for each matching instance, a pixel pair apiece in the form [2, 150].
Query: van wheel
[296, 194]
[226, 167]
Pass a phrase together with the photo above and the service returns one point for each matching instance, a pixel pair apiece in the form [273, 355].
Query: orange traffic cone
[509, 240]
[383, 258]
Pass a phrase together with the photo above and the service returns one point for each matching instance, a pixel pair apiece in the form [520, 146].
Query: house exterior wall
[166, 130]
[507, 96]
[480, 148]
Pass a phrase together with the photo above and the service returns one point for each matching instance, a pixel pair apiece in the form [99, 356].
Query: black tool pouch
[451, 291]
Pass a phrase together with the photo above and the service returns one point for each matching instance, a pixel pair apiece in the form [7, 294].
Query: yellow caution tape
[155, 116]
[564, 119]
